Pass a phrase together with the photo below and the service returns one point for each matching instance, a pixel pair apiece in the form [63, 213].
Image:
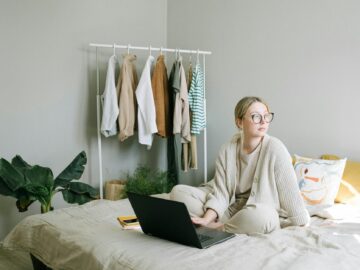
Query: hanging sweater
[146, 106]
[274, 182]
[110, 101]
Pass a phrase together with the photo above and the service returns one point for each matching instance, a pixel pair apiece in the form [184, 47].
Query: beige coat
[181, 110]
[126, 87]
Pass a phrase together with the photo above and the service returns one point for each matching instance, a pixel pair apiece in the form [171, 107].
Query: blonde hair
[243, 105]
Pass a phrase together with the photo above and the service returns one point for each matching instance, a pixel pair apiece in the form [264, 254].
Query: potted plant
[148, 181]
[28, 183]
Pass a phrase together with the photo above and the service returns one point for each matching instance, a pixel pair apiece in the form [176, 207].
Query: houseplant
[28, 183]
[148, 181]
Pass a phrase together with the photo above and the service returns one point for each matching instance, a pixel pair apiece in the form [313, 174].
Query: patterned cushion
[349, 191]
[318, 180]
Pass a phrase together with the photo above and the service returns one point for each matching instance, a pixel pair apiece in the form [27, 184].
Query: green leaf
[72, 197]
[23, 203]
[20, 164]
[39, 192]
[40, 176]
[73, 171]
[11, 176]
[5, 190]
[83, 188]
[24, 199]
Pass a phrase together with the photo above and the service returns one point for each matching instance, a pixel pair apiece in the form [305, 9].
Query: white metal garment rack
[98, 95]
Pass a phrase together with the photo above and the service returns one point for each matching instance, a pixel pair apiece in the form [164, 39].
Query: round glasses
[257, 118]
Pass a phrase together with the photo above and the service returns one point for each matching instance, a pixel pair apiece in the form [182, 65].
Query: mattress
[90, 237]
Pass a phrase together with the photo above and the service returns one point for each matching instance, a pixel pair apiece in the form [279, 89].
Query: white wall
[303, 57]
[47, 92]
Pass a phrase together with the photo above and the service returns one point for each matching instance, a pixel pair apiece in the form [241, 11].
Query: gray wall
[47, 75]
[303, 57]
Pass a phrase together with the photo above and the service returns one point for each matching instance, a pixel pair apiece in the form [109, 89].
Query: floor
[14, 260]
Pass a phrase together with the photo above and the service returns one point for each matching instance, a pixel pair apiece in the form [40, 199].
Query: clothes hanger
[161, 54]
[114, 50]
[197, 57]
[128, 48]
[150, 50]
[176, 54]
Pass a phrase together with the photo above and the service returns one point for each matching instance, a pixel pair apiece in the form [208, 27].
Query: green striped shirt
[196, 100]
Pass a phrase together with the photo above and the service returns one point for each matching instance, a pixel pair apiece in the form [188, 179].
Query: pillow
[318, 181]
[349, 191]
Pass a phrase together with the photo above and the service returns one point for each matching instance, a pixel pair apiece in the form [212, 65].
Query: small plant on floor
[148, 181]
[28, 183]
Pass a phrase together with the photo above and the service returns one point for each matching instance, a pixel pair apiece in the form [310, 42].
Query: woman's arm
[288, 190]
[225, 173]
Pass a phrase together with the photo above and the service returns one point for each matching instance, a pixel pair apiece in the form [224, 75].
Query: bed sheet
[90, 237]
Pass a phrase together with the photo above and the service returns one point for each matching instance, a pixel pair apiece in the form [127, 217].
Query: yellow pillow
[349, 190]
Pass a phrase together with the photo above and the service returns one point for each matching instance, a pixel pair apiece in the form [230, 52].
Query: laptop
[170, 220]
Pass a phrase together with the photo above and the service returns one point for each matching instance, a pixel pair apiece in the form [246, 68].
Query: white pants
[239, 218]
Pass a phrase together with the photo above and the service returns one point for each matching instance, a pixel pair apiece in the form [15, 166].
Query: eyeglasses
[257, 118]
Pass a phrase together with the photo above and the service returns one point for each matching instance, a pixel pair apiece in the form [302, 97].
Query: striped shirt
[196, 101]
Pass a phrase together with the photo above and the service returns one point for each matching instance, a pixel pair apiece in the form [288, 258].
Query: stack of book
[129, 222]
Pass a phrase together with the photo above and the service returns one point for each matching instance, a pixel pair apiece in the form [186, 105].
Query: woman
[254, 189]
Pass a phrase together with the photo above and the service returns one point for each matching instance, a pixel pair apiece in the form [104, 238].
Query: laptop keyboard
[203, 237]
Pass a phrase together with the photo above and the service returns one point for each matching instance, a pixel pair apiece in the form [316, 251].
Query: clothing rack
[98, 95]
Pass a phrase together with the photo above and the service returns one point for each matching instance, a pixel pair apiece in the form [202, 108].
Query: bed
[90, 237]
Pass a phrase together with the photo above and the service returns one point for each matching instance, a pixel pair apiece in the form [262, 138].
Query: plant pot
[114, 190]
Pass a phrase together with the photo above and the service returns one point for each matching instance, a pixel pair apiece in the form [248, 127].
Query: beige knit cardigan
[274, 184]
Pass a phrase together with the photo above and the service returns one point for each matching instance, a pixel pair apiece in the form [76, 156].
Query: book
[129, 222]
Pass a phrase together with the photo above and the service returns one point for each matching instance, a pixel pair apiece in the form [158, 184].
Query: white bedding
[89, 237]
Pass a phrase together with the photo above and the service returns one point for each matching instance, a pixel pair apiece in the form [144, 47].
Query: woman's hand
[200, 221]
[208, 220]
